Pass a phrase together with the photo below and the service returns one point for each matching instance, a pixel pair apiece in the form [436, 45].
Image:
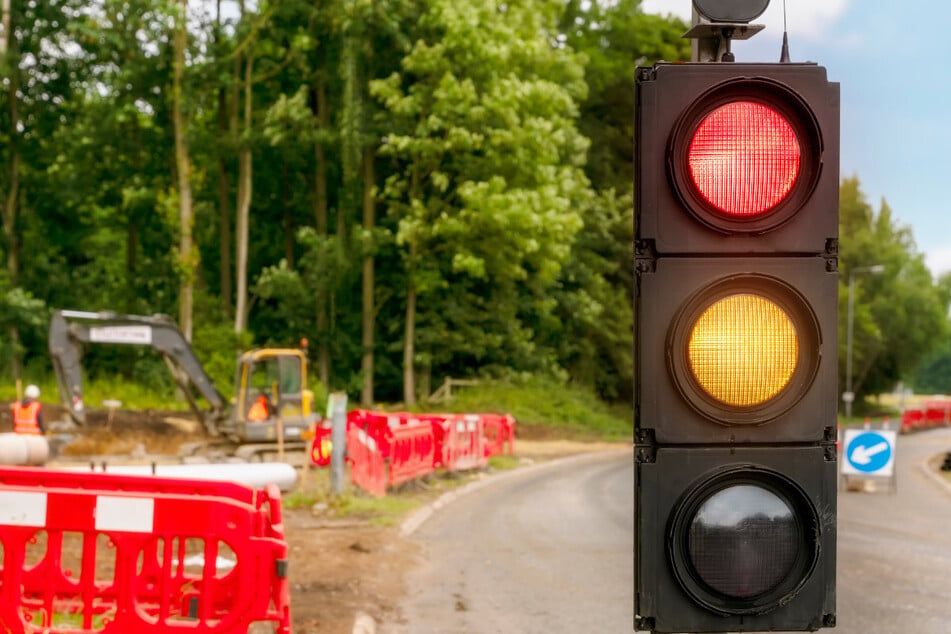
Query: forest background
[421, 189]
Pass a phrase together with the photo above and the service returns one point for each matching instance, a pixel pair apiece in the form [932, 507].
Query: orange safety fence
[106, 553]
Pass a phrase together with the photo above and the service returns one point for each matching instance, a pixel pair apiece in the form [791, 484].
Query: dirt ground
[339, 566]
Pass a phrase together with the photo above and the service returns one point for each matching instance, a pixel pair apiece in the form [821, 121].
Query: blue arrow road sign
[868, 452]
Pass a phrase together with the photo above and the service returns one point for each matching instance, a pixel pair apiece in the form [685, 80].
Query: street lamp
[848, 396]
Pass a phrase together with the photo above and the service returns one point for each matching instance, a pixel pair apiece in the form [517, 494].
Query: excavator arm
[69, 329]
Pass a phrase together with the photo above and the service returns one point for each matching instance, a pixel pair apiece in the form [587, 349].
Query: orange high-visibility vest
[26, 418]
[258, 411]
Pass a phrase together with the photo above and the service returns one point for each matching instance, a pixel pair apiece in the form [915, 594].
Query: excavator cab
[270, 385]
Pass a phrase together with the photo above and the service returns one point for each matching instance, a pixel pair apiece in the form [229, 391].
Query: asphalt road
[551, 551]
[547, 551]
[894, 559]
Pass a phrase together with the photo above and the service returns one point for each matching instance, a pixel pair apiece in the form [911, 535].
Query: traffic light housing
[736, 300]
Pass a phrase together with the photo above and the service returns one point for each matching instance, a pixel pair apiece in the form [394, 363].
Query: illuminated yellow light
[743, 350]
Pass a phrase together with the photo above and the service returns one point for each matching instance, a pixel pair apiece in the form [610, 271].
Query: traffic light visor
[744, 158]
[743, 350]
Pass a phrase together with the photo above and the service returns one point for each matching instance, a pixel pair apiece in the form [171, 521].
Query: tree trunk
[224, 187]
[5, 25]
[369, 222]
[11, 203]
[288, 217]
[409, 334]
[244, 206]
[320, 211]
[224, 209]
[186, 217]
[409, 352]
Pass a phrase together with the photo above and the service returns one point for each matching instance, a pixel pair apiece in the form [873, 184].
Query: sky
[894, 71]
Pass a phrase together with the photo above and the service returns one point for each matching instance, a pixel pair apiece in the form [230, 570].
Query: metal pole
[338, 437]
[848, 349]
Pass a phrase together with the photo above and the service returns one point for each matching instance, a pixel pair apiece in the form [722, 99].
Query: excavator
[270, 383]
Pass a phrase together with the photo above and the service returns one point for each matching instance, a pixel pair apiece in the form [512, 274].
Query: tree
[486, 180]
[593, 333]
[898, 314]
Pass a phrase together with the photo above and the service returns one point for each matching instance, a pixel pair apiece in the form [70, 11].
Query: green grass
[133, 396]
[571, 409]
[555, 408]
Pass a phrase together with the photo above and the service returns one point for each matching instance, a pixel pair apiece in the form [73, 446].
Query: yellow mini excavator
[268, 380]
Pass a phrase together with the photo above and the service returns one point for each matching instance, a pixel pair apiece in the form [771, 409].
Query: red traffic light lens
[744, 158]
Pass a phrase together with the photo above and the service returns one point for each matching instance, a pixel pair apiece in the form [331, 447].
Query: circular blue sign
[869, 452]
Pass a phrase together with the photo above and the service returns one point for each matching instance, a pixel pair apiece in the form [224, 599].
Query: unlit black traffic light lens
[743, 350]
[744, 541]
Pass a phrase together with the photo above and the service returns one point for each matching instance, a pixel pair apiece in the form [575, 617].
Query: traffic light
[736, 296]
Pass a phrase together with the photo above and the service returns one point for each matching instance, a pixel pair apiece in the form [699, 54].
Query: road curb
[935, 477]
[419, 517]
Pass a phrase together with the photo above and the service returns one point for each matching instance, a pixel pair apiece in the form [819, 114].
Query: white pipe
[254, 474]
[23, 449]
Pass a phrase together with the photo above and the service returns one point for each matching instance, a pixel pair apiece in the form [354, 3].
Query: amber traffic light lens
[743, 350]
[744, 158]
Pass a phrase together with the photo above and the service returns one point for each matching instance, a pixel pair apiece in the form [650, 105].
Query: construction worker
[258, 410]
[27, 414]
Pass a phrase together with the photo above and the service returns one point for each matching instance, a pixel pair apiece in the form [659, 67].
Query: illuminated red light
[744, 158]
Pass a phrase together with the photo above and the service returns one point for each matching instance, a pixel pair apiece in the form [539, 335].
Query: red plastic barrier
[96, 552]
[321, 447]
[937, 413]
[462, 443]
[499, 431]
[911, 419]
[411, 450]
[366, 462]
[386, 449]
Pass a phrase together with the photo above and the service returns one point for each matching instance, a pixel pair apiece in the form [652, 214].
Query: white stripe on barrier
[22, 508]
[131, 515]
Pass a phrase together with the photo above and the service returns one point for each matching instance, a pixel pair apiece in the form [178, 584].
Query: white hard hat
[32, 391]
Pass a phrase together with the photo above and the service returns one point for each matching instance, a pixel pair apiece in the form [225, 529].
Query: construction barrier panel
[462, 442]
[366, 462]
[937, 413]
[114, 554]
[912, 419]
[412, 449]
[499, 432]
[389, 448]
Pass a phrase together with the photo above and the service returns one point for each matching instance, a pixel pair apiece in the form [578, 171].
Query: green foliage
[898, 314]
[500, 141]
